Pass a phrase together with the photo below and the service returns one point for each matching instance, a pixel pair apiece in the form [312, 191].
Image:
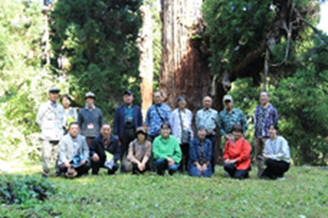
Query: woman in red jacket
[236, 156]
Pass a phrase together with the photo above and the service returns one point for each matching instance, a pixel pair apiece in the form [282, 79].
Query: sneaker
[44, 176]
[281, 178]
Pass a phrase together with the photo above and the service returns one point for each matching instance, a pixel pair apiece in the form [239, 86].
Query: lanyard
[273, 145]
[89, 115]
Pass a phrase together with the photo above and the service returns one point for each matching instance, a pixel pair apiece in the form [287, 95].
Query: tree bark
[185, 68]
[146, 64]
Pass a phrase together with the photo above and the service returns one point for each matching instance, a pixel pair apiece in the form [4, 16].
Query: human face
[228, 104]
[74, 130]
[141, 137]
[182, 104]
[106, 130]
[158, 98]
[201, 134]
[90, 101]
[237, 135]
[53, 96]
[207, 102]
[272, 132]
[264, 98]
[128, 99]
[66, 102]
[165, 132]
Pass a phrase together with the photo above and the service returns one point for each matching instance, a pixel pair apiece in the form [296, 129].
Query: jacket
[50, 120]
[241, 149]
[119, 119]
[175, 123]
[195, 151]
[164, 148]
[87, 117]
[277, 149]
[97, 147]
[66, 148]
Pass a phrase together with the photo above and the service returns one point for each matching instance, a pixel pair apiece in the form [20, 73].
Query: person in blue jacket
[127, 119]
[200, 154]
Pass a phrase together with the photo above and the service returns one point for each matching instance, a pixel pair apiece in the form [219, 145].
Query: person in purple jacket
[265, 115]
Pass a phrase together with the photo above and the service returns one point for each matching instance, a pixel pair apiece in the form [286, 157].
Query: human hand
[67, 165]
[95, 157]
[170, 161]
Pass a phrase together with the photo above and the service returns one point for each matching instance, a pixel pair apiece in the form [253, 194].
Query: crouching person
[276, 154]
[73, 153]
[166, 151]
[236, 156]
[200, 154]
[104, 142]
[139, 154]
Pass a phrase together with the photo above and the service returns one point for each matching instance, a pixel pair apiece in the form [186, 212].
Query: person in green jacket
[166, 150]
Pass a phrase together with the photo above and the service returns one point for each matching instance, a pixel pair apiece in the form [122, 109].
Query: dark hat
[182, 97]
[54, 90]
[142, 130]
[127, 92]
[90, 95]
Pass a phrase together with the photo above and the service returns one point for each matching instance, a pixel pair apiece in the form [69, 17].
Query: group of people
[82, 141]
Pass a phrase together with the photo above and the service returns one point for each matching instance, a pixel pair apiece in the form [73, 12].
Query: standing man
[105, 142]
[229, 117]
[128, 117]
[157, 114]
[90, 118]
[73, 153]
[208, 118]
[50, 119]
[265, 115]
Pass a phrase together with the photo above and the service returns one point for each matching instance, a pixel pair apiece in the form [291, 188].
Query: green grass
[304, 193]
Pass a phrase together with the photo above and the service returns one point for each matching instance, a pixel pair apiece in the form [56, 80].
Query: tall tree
[94, 42]
[185, 67]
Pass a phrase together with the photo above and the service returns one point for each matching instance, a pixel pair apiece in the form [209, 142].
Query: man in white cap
[229, 117]
[90, 119]
[50, 119]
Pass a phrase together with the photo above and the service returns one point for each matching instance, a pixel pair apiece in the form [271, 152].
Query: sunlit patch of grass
[302, 194]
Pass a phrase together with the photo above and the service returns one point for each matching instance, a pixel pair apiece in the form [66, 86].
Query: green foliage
[26, 190]
[235, 28]
[23, 82]
[301, 194]
[95, 44]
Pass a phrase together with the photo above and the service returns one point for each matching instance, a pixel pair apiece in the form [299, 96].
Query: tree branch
[317, 31]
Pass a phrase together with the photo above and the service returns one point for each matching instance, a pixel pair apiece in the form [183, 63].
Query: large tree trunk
[146, 64]
[185, 67]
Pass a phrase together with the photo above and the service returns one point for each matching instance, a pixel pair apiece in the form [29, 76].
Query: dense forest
[190, 47]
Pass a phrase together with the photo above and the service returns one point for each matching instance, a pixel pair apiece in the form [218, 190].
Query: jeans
[193, 171]
[162, 165]
[81, 170]
[212, 138]
[234, 173]
[275, 169]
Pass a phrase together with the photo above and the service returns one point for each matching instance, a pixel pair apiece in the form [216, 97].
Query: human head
[264, 97]
[207, 102]
[228, 102]
[165, 130]
[53, 94]
[201, 133]
[65, 100]
[105, 130]
[73, 129]
[237, 131]
[273, 131]
[128, 97]
[89, 98]
[182, 101]
[141, 133]
[158, 97]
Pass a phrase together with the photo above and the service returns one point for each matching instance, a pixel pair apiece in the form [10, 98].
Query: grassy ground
[304, 193]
